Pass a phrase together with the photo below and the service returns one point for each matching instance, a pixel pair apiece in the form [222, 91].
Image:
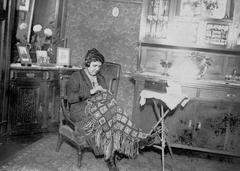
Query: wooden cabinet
[213, 123]
[34, 100]
[34, 104]
[209, 122]
[193, 24]
[197, 45]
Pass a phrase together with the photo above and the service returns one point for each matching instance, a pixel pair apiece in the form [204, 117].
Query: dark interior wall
[90, 24]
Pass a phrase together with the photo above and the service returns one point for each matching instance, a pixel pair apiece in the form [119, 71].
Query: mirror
[48, 14]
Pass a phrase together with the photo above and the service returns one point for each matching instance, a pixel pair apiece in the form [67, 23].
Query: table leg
[160, 116]
[163, 138]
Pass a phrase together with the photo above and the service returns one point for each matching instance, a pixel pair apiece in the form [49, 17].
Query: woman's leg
[111, 163]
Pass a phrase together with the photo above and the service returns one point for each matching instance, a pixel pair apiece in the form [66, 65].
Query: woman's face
[94, 68]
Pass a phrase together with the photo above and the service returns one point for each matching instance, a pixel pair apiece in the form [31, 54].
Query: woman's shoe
[111, 163]
[150, 140]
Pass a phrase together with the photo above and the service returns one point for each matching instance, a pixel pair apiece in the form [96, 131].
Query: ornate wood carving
[27, 99]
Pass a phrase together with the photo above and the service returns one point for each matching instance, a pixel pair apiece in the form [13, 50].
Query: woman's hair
[93, 55]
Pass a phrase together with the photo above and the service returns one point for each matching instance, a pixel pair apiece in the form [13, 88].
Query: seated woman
[105, 125]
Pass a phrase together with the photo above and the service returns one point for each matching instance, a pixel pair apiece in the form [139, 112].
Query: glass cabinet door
[157, 18]
[191, 23]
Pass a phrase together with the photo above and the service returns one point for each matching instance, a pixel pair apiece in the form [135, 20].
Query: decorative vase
[202, 72]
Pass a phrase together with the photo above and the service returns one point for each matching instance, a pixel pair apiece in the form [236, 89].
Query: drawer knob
[46, 75]
[30, 75]
[232, 96]
[12, 75]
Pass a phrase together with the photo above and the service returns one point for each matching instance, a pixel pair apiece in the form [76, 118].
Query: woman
[97, 115]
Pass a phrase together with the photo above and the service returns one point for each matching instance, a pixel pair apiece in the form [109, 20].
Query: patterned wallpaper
[90, 24]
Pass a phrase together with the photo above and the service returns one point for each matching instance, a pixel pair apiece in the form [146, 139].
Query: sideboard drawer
[220, 95]
[191, 92]
[44, 75]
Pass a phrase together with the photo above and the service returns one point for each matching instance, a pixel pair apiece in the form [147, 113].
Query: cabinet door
[155, 20]
[210, 124]
[26, 107]
[180, 124]
[236, 27]
[34, 101]
[233, 139]
[51, 106]
[216, 126]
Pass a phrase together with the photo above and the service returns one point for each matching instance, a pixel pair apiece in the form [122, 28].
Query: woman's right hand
[97, 89]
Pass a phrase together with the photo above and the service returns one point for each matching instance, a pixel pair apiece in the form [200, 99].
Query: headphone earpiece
[87, 63]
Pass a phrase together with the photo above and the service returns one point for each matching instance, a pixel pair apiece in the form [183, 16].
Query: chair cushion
[68, 132]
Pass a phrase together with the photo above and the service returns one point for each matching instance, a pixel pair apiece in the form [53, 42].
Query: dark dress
[104, 124]
[78, 91]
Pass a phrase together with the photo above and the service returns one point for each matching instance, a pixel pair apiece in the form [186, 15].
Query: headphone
[93, 55]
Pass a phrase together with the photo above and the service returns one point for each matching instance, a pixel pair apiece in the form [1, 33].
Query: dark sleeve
[77, 89]
[102, 81]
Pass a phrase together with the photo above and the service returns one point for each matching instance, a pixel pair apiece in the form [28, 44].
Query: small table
[171, 101]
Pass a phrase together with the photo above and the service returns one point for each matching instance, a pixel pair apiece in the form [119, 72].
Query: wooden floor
[13, 144]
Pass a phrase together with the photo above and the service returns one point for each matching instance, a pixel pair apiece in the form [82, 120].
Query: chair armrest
[70, 124]
[111, 83]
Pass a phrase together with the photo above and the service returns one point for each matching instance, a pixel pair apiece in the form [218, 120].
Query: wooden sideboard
[209, 122]
[34, 101]
[201, 53]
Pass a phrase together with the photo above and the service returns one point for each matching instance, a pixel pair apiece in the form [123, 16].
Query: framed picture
[24, 54]
[63, 56]
[208, 9]
[23, 5]
[42, 57]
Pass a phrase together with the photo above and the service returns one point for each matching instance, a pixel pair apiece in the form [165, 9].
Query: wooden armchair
[68, 130]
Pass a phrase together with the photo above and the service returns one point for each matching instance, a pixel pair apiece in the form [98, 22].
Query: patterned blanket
[108, 127]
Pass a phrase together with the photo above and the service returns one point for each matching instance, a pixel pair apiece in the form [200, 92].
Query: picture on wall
[200, 8]
[63, 56]
[23, 5]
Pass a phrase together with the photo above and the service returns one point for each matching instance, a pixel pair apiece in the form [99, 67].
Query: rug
[41, 156]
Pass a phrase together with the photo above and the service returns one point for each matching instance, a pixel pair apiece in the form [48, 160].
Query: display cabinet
[197, 24]
[196, 44]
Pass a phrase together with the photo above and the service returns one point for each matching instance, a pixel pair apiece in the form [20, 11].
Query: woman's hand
[97, 89]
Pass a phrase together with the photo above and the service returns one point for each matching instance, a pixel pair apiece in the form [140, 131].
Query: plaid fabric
[109, 128]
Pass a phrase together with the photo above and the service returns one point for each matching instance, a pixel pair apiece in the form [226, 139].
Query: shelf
[204, 149]
[158, 43]
[216, 84]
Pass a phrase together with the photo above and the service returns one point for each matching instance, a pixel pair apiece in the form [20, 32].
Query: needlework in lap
[108, 125]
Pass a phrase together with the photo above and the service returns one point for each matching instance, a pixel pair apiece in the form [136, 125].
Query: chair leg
[80, 156]
[59, 142]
